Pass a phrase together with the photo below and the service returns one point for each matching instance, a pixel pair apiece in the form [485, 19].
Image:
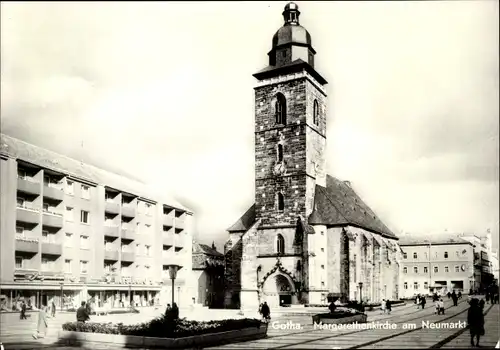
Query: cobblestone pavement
[283, 332]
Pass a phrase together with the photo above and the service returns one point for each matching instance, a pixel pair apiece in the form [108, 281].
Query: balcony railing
[179, 241]
[128, 234]
[53, 219]
[128, 256]
[128, 210]
[179, 223]
[27, 245]
[168, 220]
[111, 255]
[51, 248]
[112, 208]
[53, 192]
[168, 240]
[111, 231]
[28, 185]
[27, 214]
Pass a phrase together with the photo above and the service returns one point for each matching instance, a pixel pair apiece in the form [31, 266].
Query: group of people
[172, 312]
[386, 306]
[420, 301]
[492, 294]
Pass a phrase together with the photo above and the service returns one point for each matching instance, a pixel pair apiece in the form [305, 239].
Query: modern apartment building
[71, 232]
[439, 263]
[483, 264]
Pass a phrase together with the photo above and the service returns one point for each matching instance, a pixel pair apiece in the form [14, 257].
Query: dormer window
[280, 109]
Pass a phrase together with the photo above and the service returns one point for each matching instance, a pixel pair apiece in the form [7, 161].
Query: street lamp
[62, 296]
[172, 270]
[360, 292]
[129, 295]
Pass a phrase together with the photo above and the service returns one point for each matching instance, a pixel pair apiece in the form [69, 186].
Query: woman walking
[42, 325]
[475, 320]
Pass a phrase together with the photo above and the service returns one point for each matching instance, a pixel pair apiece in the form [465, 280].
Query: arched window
[280, 244]
[315, 112]
[446, 255]
[280, 153]
[280, 109]
[281, 202]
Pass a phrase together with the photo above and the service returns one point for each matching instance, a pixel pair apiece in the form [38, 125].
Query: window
[415, 269]
[148, 250]
[405, 269]
[85, 192]
[415, 285]
[405, 285]
[436, 269]
[280, 109]
[20, 230]
[67, 239]
[280, 153]
[19, 262]
[457, 268]
[323, 267]
[69, 214]
[446, 269]
[83, 266]
[84, 242]
[21, 173]
[281, 202]
[45, 207]
[426, 285]
[315, 112]
[280, 244]
[84, 217]
[70, 188]
[148, 229]
[148, 208]
[20, 202]
[426, 270]
[45, 236]
[405, 256]
[47, 265]
[67, 266]
[446, 255]
[322, 249]
[415, 256]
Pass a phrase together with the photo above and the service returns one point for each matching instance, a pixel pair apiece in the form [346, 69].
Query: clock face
[463, 267]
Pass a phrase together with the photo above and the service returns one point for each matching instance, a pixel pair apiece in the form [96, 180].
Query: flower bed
[343, 316]
[162, 328]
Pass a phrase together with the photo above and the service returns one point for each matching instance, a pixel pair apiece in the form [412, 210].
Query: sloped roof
[293, 67]
[339, 204]
[245, 221]
[205, 249]
[433, 239]
[30, 153]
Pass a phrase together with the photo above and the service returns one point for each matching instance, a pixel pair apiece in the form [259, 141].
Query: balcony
[168, 240]
[179, 224]
[112, 208]
[111, 231]
[128, 211]
[128, 234]
[53, 192]
[52, 219]
[27, 214]
[23, 271]
[51, 248]
[27, 245]
[128, 256]
[28, 185]
[179, 241]
[111, 255]
[168, 220]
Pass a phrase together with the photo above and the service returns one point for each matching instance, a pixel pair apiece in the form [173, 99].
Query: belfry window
[280, 244]
[280, 109]
[281, 202]
[315, 112]
[280, 153]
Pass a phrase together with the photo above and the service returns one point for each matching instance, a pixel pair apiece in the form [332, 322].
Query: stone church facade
[308, 236]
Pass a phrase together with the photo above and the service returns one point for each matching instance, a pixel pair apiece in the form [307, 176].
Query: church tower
[290, 127]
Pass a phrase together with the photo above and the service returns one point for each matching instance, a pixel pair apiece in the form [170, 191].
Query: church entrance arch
[279, 290]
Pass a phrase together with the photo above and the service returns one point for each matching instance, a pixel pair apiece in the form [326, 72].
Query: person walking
[455, 298]
[41, 329]
[475, 321]
[82, 314]
[388, 306]
[53, 307]
[266, 312]
[23, 311]
[437, 305]
[383, 306]
[423, 301]
[441, 306]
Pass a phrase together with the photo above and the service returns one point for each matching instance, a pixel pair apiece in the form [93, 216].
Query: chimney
[213, 245]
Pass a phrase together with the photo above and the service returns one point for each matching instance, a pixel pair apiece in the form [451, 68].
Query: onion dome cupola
[292, 41]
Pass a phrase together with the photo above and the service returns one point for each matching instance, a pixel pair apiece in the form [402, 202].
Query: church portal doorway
[278, 291]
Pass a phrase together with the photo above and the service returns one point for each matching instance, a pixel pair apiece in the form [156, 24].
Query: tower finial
[291, 14]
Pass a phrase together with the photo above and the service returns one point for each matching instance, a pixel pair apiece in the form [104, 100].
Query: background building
[208, 269]
[439, 263]
[71, 231]
[308, 235]
[483, 266]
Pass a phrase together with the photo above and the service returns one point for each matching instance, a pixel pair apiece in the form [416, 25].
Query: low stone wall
[361, 318]
[204, 340]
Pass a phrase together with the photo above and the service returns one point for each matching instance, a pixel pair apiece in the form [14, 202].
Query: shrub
[162, 327]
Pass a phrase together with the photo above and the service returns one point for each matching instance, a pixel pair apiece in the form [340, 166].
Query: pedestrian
[266, 312]
[423, 301]
[383, 305]
[459, 295]
[332, 307]
[441, 306]
[487, 297]
[449, 295]
[53, 308]
[82, 314]
[388, 306]
[437, 306]
[475, 320]
[175, 311]
[417, 301]
[481, 304]
[455, 298]
[41, 328]
[23, 311]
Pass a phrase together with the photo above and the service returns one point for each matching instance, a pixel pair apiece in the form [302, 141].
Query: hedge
[163, 328]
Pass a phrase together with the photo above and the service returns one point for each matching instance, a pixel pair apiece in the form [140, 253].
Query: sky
[163, 92]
